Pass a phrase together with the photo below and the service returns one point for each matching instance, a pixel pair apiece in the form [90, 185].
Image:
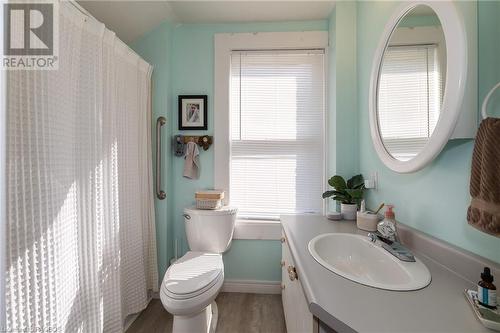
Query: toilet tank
[209, 230]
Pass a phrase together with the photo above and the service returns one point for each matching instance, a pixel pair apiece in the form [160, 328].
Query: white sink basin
[358, 259]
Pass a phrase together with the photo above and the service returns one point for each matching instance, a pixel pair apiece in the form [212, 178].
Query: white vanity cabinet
[297, 315]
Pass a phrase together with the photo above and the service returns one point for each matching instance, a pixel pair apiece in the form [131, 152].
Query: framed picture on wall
[192, 112]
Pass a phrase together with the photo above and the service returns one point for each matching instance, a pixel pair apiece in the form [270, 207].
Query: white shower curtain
[81, 244]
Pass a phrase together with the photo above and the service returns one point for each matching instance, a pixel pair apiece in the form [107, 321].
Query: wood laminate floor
[238, 313]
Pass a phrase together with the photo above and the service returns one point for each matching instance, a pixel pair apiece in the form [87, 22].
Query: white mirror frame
[456, 74]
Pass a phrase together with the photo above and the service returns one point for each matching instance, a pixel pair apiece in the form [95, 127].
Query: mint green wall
[183, 59]
[343, 134]
[331, 98]
[156, 48]
[435, 199]
[489, 52]
[342, 93]
[253, 260]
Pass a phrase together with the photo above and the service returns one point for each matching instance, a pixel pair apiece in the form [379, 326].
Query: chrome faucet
[393, 247]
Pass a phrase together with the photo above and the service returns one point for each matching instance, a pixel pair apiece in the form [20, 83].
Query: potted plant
[349, 194]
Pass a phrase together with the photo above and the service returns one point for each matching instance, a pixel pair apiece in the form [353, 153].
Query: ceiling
[131, 19]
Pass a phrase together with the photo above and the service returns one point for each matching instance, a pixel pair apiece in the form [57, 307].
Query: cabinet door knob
[283, 239]
[282, 286]
[292, 273]
[282, 263]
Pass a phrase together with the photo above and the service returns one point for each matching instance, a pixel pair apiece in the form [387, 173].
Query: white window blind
[409, 101]
[277, 132]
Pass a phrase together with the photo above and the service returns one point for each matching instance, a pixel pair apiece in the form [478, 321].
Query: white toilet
[192, 283]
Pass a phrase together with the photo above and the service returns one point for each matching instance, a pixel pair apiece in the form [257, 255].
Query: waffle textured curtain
[81, 251]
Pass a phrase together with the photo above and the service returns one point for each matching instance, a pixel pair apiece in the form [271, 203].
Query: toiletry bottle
[387, 227]
[486, 290]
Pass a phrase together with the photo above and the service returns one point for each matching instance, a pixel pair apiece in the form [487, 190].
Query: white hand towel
[192, 161]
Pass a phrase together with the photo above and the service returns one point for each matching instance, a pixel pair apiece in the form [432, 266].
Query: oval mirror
[413, 114]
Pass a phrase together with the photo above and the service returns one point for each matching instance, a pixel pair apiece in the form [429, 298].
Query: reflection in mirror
[411, 83]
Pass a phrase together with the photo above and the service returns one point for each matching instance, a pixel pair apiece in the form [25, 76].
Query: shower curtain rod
[89, 15]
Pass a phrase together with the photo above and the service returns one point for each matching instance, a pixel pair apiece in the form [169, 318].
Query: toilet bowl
[192, 283]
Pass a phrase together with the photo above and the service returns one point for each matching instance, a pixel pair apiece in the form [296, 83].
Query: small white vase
[348, 211]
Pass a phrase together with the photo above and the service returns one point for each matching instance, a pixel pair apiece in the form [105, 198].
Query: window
[276, 132]
[410, 96]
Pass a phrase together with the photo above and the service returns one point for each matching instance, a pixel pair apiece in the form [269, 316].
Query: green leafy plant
[350, 192]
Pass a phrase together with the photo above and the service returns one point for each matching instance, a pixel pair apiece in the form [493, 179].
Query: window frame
[224, 45]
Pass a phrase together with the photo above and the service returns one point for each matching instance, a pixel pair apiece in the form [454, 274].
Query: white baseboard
[252, 286]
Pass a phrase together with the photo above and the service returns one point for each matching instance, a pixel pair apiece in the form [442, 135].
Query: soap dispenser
[387, 227]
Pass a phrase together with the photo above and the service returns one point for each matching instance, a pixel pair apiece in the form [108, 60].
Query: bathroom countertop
[347, 306]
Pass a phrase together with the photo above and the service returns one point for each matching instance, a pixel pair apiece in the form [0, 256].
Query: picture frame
[193, 112]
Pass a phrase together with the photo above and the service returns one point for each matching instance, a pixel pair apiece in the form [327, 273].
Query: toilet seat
[193, 274]
[192, 282]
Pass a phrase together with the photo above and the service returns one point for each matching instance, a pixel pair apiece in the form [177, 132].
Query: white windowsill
[257, 229]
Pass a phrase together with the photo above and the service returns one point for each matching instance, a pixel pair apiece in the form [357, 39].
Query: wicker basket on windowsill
[209, 199]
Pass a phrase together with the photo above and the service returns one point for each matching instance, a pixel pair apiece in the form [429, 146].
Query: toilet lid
[193, 273]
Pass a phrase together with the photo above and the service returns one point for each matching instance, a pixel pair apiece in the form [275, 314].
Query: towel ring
[487, 99]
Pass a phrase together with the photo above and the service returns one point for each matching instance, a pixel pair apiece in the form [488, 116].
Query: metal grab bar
[159, 123]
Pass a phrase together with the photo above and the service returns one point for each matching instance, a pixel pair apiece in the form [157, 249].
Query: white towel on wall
[192, 161]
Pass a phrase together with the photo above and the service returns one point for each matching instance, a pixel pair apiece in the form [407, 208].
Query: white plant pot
[348, 211]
